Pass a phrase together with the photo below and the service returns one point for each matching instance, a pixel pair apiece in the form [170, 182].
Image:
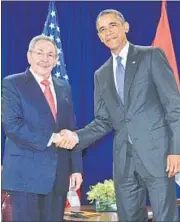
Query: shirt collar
[123, 53]
[40, 78]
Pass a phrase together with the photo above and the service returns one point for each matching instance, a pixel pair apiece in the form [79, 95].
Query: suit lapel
[131, 65]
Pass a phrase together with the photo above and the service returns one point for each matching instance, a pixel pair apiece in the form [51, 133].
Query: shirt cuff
[76, 137]
[50, 140]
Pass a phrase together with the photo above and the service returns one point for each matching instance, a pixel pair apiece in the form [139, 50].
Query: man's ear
[100, 37]
[29, 57]
[126, 27]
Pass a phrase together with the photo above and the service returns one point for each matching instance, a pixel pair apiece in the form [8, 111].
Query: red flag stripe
[163, 40]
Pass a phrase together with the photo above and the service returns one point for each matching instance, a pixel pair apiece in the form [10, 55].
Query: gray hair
[41, 37]
[119, 15]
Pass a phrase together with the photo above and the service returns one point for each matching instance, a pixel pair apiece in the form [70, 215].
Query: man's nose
[108, 31]
[45, 57]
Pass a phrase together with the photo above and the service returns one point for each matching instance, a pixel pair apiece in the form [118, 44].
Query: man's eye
[101, 30]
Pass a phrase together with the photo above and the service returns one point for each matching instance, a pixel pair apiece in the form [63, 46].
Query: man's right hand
[56, 138]
[66, 139]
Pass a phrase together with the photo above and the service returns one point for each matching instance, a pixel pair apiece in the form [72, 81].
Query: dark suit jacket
[150, 115]
[29, 165]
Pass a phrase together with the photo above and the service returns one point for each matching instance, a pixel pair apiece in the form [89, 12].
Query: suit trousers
[131, 193]
[37, 207]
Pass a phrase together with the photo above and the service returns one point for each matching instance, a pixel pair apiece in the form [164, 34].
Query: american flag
[52, 29]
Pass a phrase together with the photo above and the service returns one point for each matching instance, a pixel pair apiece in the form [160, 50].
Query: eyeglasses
[40, 55]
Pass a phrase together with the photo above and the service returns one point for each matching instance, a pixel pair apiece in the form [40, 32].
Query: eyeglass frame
[41, 54]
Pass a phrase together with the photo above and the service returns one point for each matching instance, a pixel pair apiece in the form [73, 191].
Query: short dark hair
[111, 11]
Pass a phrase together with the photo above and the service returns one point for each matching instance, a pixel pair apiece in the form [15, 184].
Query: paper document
[177, 178]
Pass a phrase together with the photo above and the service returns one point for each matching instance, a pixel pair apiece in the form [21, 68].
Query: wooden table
[102, 216]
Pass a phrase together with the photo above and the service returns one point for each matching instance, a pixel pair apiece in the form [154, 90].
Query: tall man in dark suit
[136, 96]
[35, 107]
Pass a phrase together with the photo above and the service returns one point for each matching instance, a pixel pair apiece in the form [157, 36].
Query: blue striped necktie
[120, 73]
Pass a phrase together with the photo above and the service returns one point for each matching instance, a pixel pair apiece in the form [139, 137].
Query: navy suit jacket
[29, 165]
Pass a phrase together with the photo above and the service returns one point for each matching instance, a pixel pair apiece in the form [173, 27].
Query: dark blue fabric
[83, 52]
[29, 165]
[37, 207]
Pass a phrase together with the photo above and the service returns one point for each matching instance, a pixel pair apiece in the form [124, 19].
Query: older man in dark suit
[136, 96]
[35, 107]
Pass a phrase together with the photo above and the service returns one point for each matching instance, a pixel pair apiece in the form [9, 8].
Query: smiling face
[112, 32]
[42, 58]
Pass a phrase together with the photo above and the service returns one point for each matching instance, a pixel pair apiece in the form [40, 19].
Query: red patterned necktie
[49, 97]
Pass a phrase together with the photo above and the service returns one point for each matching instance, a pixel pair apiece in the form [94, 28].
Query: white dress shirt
[51, 85]
[123, 54]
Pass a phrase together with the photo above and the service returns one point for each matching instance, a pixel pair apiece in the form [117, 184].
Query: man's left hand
[173, 165]
[76, 181]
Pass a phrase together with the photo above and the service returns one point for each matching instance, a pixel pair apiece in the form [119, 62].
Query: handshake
[65, 139]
